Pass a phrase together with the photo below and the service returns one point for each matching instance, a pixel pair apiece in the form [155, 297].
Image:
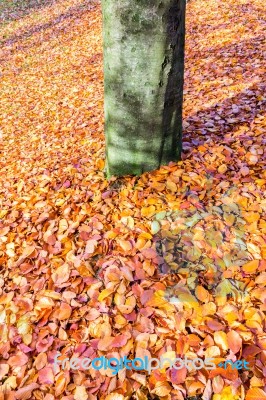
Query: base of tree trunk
[143, 83]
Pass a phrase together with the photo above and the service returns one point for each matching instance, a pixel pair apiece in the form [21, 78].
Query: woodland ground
[173, 261]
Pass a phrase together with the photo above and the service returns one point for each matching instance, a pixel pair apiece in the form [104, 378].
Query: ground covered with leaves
[169, 263]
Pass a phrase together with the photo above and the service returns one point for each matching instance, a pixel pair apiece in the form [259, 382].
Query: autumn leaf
[4, 368]
[64, 311]
[234, 341]
[226, 394]
[161, 389]
[220, 339]
[251, 266]
[46, 376]
[115, 396]
[28, 252]
[170, 262]
[41, 361]
[255, 394]
[18, 360]
[202, 294]
[26, 391]
[90, 246]
[61, 274]
[105, 293]
[80, 393]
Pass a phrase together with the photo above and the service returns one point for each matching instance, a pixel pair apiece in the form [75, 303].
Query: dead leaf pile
[171, 262]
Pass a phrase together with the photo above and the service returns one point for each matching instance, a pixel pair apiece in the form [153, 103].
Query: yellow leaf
[63, 225]
[105, 293]
[220, 339]
[148, 211]
[145, 235]
[251, 216]
[222, 169]
[158, 300]
[20, 186]
[171, 186]
[169, 355]
[226, 394]
[3, 213]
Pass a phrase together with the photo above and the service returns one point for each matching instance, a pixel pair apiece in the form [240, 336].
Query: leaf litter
[171, 261]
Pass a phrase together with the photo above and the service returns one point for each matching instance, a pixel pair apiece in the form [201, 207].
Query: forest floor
[169, 263]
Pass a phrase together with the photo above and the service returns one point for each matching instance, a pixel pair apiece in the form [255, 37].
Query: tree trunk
[143, 83]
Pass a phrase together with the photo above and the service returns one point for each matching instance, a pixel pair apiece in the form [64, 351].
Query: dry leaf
[234, 341]
[255, 394]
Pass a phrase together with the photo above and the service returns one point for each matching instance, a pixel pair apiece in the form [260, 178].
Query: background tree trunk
[143, 83]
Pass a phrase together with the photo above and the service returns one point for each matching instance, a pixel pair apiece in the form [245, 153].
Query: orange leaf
[105, 343]
[18, 360]
[61, 274]
[251, 266]
[202, 294]
[25, 392]
[255, 394]
[28, 252]
[64, 311]
[115, 396]
[61, 383]
[161, 389]
[41, 361]
[125, 245]
[129, 305]
[193, 340]
[195, 388]
[234, 341]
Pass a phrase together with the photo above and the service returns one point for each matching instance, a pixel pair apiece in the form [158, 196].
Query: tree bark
[143, 83]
